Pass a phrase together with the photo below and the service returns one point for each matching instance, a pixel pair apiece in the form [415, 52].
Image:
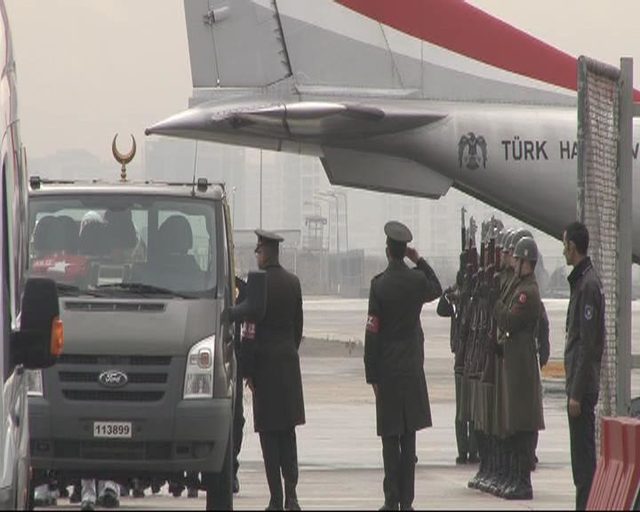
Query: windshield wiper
[142, 288]
[73, 290]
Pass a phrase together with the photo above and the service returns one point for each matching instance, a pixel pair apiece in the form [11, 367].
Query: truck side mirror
[40, 339]
[255, 304]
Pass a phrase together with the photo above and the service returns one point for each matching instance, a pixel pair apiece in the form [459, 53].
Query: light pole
[233, 205]
[343, 195]
[260, 189]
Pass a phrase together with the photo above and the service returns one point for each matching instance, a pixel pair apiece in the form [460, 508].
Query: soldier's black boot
[522, 490]
[290, 497]
[512, 475]
[501, 469]
[473, 483]
[489, 465]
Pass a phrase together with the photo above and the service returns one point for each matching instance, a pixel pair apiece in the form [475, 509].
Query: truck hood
[135, 326]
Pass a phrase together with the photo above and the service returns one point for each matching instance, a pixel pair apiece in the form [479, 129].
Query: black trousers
[582, 432]
[238, 423]
[399, 456]
[280, 455]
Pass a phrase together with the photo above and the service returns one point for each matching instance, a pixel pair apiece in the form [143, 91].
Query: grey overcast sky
[90, 68]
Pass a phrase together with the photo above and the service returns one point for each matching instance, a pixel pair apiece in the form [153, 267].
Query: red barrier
[616, 482]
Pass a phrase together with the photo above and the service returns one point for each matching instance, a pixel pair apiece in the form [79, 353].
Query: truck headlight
[34, 383]
[198, 379]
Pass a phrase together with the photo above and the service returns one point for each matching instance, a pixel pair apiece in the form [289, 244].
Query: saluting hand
[574, 408]
[250, 385]
[412, 254]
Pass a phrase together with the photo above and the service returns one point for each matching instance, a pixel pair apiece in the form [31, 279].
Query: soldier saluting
[272, 370]
[394, 360]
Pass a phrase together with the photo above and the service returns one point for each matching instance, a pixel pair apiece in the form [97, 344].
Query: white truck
[145, 388]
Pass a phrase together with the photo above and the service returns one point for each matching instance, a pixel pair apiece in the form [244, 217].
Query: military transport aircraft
[410, 97]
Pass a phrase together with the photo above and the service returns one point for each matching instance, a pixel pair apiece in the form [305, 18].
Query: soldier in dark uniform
[394, 361]
[585, 333]
[238, 410]
[521, 387]
[449, 306]
[272, 369]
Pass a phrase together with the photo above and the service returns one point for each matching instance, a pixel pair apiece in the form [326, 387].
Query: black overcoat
[394, 346]
[271, 358]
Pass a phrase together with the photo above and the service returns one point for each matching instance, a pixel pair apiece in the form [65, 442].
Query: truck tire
[219, 486]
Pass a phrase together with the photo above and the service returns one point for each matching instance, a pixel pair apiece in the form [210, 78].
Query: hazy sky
[90, 68]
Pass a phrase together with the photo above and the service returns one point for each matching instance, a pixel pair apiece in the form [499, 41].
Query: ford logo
[113, 379]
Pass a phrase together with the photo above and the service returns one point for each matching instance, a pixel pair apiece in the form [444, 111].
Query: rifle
[479, 326]
[463, 229]
[493, 286]
[467, 302]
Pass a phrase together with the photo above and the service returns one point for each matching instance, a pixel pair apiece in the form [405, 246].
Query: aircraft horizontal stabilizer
[383, 173]
[311, 122]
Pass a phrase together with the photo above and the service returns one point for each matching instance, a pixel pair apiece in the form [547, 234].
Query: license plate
[112, 429]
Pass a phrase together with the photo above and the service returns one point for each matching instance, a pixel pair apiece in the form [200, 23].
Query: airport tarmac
[339, 454]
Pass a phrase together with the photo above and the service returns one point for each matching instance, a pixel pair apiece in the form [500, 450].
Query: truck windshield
[105, 245]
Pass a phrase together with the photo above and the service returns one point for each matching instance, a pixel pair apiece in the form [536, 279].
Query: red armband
[248, 331]
[373, 324]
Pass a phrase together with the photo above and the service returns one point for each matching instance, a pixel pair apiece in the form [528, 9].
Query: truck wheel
[219, 486]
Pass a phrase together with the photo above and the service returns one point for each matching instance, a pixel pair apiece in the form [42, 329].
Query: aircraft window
[109, 245]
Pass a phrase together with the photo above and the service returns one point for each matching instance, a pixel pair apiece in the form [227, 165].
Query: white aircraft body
[410, 97]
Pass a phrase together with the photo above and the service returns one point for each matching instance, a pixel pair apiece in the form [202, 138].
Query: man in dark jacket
[394, 361]
[272, 369]
[238, 409]
[585, 332]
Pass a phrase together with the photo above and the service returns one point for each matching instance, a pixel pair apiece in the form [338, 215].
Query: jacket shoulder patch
[588, 312]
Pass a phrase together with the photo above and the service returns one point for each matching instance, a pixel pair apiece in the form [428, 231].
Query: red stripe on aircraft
[464, 29]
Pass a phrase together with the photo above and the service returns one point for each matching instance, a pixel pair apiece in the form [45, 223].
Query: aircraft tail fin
[432, 49]
[235, 43]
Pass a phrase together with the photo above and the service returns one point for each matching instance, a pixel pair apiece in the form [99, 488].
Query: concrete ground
[339, 454]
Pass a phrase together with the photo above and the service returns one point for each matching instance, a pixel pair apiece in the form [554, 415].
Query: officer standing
[585, 332]
[394, 361]
[272, 369]
[521, 387]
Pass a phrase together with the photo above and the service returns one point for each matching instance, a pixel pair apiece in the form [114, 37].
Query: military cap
[398, 232]
[504, 243]
[526, 249]
[266, 237]
[518, 235]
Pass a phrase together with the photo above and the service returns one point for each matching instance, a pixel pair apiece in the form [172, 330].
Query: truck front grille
[112, 449]
[148, 377]
[134, 378]
[113, 396]
[114, 360]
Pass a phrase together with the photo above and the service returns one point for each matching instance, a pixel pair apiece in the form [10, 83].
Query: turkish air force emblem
[472, 151]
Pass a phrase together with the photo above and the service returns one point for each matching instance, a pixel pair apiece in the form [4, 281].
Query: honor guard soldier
[394, 361]
[517, 319]
[272, 370]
